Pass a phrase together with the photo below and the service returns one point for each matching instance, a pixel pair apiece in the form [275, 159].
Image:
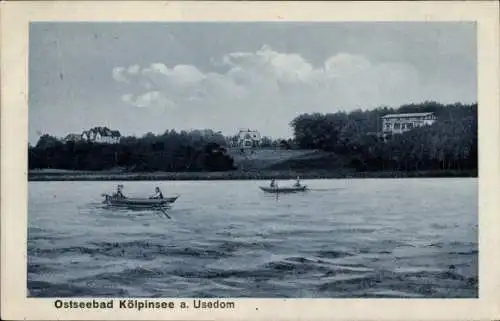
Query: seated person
[297, 183]
[273, 183]
[119, 193]
[158, 194]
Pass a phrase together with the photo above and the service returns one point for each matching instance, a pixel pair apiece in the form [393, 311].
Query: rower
[158, 194]
[273, 183]
[119, 193]
[297, 183]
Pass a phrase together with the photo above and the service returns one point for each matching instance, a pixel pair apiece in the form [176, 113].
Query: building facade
[247, 138]
[101, 135]
[400, 123]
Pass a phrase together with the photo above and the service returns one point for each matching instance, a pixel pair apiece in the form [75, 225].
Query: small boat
[139, 202]
[291, 189]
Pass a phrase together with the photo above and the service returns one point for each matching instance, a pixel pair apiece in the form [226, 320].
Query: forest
[449, 144]
[171, 152]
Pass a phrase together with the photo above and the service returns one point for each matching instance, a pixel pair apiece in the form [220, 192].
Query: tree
[170, 151]
[450, 143]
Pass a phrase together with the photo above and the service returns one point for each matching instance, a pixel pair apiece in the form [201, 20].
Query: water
[346, 238]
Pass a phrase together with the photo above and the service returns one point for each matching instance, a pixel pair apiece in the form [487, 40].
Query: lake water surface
[344, 238]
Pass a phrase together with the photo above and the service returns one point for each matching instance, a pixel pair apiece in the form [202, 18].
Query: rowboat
[291, 189]
[140, 202]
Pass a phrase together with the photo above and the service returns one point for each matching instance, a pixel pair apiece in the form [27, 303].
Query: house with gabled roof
[101, 135]
[247, 138]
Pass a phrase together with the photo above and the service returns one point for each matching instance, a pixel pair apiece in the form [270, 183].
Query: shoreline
[41, 175]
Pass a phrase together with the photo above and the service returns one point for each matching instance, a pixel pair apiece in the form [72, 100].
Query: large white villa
[400, 123]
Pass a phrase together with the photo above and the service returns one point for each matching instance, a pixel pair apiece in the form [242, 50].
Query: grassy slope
[313, 161]
[264, 159]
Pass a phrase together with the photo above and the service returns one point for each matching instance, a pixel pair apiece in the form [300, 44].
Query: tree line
[448, 144]
[265, 142]
[170, 151]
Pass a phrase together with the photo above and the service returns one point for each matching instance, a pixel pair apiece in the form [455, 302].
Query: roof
[248, 131]
[407, 115]
[103, 131]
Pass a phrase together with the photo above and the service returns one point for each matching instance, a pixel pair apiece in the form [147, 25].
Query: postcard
[250, 160]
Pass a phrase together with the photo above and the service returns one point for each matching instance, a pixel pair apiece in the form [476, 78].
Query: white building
[400, 123]
[101, 135]
[247, 138]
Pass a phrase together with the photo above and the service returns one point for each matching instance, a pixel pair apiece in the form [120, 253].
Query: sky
[150, 77]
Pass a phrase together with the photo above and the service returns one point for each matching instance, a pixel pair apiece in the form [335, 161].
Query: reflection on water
[345, 238]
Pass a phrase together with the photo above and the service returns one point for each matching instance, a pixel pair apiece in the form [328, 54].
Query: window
[397, 126]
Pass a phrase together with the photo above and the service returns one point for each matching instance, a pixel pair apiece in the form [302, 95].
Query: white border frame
[15, 18]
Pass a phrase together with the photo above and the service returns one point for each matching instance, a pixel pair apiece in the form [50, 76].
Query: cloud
[148, 99]
[345, 65]
[133, 70]
[119, 74]
[266, 89]
[268, 63]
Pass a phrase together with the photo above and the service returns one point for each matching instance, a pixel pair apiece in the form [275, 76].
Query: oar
[164, 212]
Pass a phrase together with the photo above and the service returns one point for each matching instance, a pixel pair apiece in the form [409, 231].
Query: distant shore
[68, 175]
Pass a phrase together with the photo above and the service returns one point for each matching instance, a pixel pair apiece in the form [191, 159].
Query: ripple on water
[315, 245]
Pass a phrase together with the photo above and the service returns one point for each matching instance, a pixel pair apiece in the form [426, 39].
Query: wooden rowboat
[140, 202]
[291, 189]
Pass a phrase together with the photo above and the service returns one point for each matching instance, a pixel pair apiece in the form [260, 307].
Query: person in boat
[158, 194]
[297, 182]
[273, 183]
[119, 193]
